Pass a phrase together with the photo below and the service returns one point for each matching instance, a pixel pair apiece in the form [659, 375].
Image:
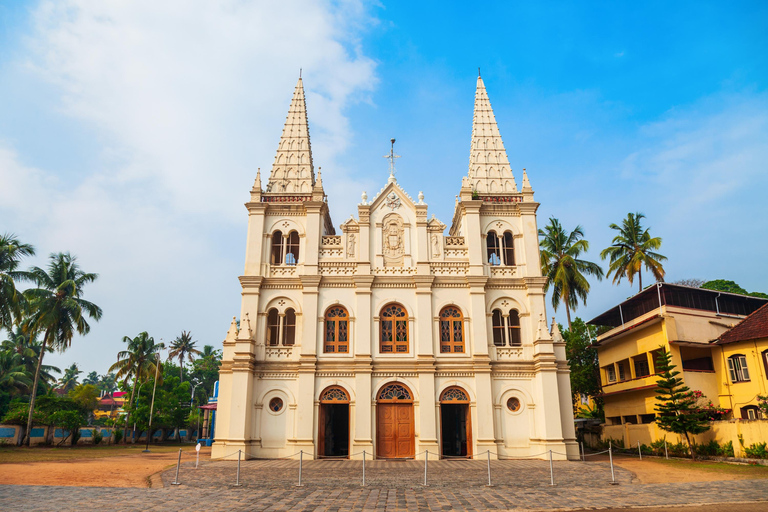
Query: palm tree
[13, 375]
[92, 378]
[631, 249]
[11, 300]
[137, 362]
[23, 341]
[108, 384]
[58, 310]
[183, 346]
[69, 379]
[561, 265]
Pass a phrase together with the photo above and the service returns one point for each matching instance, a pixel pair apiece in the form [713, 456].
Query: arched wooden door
[455, 425]
[333, 424]
[394, 422]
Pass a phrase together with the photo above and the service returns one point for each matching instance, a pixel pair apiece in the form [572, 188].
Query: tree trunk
[125, 428]
[568, 314]
[181, 369]
[640, 279]
[690, 447]
[28, 433]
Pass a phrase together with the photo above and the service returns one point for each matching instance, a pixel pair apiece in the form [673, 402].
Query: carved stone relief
[393, 243]
[351, 245]
[435, 246]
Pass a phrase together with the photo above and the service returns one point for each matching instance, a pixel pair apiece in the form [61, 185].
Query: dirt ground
[134, 470]
[653, 470]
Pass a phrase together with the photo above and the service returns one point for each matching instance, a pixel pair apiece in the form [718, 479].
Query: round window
[513, 404]
[276, 404]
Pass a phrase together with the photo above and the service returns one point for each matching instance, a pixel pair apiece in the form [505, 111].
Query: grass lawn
[744, 470]
[10, 454]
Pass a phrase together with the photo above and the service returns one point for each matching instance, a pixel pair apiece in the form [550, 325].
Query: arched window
[494, 249]
[454, 395]
[451, 330]
[289, 327]
[395, 392]
[498, 328]
[336, 330]
[737, 367]
[277, 248]
[394, 329]
[334, 394]
[273, 327]
[514, 338]
[292, 248]
[765, 362]
[509, 248]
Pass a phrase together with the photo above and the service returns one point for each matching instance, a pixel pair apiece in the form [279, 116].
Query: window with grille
[498, 328]
[292, 248]
[273, 327]
[336, 330]
[610, 373]
[494, 248]
[642, 369]
[451, 330]
[289, 327]
[276, 257]
[508, 248]
[514, 339]
[737, 367]
[393, 330]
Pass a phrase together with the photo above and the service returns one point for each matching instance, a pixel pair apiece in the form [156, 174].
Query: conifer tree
[676, 407]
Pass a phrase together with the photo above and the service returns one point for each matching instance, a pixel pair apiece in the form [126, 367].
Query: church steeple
[293, 171]
[489, 170]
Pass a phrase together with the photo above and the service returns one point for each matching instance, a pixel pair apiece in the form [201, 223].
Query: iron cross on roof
[391, 157]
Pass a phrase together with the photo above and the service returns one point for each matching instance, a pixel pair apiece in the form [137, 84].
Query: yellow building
[687, 322]
[741, 365]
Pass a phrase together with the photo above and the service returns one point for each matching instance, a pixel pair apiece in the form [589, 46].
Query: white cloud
[187, 97]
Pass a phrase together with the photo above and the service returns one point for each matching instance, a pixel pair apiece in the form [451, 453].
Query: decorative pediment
[392, 197]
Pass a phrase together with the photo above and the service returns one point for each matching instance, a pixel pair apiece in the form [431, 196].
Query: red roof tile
[751, 328]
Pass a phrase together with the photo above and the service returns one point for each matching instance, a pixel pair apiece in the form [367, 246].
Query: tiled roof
[753, 327]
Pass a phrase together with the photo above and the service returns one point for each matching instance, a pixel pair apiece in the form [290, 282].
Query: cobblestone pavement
[336, 485]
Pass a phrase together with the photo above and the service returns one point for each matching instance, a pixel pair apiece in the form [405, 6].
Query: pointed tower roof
[489, 170]
[293, 171]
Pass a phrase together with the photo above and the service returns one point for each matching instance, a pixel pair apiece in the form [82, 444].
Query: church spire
[293, 170]
[489, 170]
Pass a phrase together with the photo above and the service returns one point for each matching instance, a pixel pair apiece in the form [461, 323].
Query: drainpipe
[622, 316]
[717, 306]
[658, 291]
[727, 381]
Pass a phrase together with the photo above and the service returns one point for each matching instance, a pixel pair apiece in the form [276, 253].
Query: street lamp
[154, 388]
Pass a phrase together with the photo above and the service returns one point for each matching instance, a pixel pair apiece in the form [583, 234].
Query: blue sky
[130, 132]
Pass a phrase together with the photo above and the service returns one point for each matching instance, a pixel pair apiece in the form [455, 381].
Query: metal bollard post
[301, 461]
[363, 468]
[639, 451]
[176, 481]
[583, 455]
[666, 453]
[237, 481]
[489, 468]
[426, 457]
[610, 456]
[551, 470]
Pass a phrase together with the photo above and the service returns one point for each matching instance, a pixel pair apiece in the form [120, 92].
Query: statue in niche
[393, 243]
[351, 245]
[435, 246]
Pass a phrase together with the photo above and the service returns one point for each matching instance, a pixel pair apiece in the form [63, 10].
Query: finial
[299, 73]
[421, 197]
[391, 157]
[364, 198]
[478, 72]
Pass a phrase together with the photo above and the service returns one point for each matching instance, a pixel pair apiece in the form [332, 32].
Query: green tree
[561, 265]
[632, 249]
[137, 362]
[11, 300]
[92, 378]
[23, 341]
[69, 379]
[721, 285]
[183, 346]
[13, 374]
[583, 362]
[58, 310]
[86, 396]
[205, 370]
[676, 403]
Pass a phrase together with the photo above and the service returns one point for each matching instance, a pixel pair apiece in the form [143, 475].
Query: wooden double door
[394, 431]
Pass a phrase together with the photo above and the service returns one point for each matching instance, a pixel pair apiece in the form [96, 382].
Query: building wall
[736, 395]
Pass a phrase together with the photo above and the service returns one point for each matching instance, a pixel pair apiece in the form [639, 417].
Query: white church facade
[388, 335]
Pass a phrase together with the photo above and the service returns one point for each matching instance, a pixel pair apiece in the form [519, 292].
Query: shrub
[757, 451]
[117, 436]
[97, 436]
